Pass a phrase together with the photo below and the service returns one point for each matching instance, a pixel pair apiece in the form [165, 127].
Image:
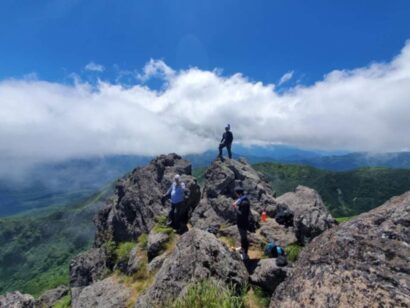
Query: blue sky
[261, 39]
[86, 78]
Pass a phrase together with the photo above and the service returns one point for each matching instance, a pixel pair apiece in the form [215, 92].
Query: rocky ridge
[160, 265]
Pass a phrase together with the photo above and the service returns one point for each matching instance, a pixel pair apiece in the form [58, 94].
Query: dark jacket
[227, 137]
[242, 212]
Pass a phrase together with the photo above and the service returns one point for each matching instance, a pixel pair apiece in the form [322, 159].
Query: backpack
[273, 251]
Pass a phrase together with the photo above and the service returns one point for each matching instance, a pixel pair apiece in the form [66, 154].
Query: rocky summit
[139, 261]
[361, 263]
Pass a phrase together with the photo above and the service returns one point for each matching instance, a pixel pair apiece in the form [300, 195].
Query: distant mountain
[358, 160]
[36, 247]
[70, 181]
[344, 193]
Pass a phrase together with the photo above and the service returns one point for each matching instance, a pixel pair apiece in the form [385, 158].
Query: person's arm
[223, 137]
[168, 193]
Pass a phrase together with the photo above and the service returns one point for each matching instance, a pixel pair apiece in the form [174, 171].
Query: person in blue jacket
[176, 193]
[242, 208]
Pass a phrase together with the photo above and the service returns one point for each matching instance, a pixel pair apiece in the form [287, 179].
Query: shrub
[64, 302]
[143, 241]
[209, 294]
[293, 250]
[123, 251]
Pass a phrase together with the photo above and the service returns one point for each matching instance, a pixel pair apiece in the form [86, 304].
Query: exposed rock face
[106, 293]
[361, 263]
[134, 262]
[156, 263]
[198, 255]
[88, 267]
[51, 297]
[156, 243]
[274, 232]
[268, 275]
[311, 217]
[17, 300]
[139, 201]
[218, 195]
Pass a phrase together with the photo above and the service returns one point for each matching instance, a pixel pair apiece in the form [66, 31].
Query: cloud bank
[365, 109]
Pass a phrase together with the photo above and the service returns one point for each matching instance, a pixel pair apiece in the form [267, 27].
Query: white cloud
[363, 109]
[156, 68]
[94, 67]
[286, 77]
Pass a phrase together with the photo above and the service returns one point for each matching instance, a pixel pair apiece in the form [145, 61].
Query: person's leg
[221, 146]
[177, 216]
[244, 240]
[171, 216]
[228, 147]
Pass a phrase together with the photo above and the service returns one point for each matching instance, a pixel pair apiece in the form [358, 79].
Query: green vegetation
[257, 298]
[123, 251]
[143, 241]
[209, 294]
[65, 302]
[36, 248]
[293, 251]
[161, 226]
[343, 219]
[344, 193]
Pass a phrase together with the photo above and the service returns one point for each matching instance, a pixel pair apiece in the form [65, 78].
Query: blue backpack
[273, 251]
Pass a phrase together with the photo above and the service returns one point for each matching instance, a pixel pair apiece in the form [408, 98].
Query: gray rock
[106, 293]
[360, 263]
[233, 233]
[268, 275]
[156, 244]
[138, 199]
[198, 255]
[156, 263]
[17, 300]
[271, 231]
[134, 262]
[311, 217]
[88, 267]
[51, 297]
[218, 194]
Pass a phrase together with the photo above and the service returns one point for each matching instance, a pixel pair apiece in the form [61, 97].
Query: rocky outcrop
[218, 194]
[88, 267]
[198, 255]
[268, 275]
[361, 263]
[311, 217]
[156, 263]
[106, 293]
[17, 300]
[51, 297]
[156, 244]
[138, 200]
[271, 231]
[134, 262]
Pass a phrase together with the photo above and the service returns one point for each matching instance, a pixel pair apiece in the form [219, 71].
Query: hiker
[176, 193]
[242, 207]
[226, 141]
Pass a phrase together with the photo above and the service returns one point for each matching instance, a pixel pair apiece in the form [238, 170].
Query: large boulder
[271, 231]
[221, 178]
[49, 298]
[106, 293]
[88, 267]
[311, 217]
[198, 255]
[17, 300]
[268, 275]
[361, 263]
[156, 244]
[138, 199]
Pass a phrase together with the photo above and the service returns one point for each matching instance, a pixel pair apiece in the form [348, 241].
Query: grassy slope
[37, 247]
[344, 193]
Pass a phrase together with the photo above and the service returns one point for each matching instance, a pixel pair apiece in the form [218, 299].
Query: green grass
[123, 251]
[143, 241]
[345, 194]
[161, 226]
[36, 249]
[293, 251]
[343, 219]
[64, 302]
[209, 294]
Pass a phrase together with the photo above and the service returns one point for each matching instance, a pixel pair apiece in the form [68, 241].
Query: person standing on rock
[242, 207]
[176, 193]
[226, 141]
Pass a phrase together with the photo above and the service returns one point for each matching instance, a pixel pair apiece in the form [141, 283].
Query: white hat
[177, 177]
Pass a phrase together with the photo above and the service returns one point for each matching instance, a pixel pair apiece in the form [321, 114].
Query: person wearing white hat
[226, 141]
